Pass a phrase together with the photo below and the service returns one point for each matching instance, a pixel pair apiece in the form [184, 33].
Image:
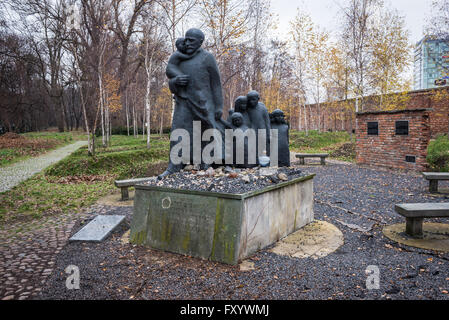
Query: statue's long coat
[204, 90]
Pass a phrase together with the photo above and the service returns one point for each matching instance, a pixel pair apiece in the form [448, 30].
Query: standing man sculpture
[200, 85]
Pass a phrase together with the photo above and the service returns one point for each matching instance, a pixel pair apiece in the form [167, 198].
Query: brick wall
[388, 149]
[342, 118]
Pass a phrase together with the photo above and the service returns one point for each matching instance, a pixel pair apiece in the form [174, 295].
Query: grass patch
[10, 155]
[79, 180]
[438, 154]
[337, 144]
[38, 197]
[126, 157]
[15, 147]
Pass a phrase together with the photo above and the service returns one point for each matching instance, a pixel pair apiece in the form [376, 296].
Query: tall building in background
[431, 65]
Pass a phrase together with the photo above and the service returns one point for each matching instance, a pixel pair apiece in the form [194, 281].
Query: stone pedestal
[433, 186]
[217, 226]
[413, 227]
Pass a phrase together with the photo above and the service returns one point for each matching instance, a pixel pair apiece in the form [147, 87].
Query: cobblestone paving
[28, 251]
[12, 175]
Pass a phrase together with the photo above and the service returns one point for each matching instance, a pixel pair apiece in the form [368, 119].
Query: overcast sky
[324, 13]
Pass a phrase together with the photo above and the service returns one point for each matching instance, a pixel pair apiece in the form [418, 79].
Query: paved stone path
[12, 175]
[28, 251]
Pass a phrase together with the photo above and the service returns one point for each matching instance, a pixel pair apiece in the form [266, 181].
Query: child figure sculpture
[238, 123]
[241, 106]
[278, 123]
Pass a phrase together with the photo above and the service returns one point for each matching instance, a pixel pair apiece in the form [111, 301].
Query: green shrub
[438, 154]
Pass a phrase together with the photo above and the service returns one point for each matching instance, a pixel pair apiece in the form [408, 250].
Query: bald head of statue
[193, 40]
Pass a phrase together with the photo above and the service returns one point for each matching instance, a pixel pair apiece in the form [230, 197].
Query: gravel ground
[345, 195]
[12, 175]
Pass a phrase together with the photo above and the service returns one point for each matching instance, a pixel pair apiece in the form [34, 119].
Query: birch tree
[301, 28]
[174, 15]
[317, 58]
[438, 24]
[391, 55]
[357, 26]
[152, 42]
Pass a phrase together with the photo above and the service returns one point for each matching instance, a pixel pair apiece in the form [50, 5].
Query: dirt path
[12, 175]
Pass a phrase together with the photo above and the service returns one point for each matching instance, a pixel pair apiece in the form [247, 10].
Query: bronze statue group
[194, 80]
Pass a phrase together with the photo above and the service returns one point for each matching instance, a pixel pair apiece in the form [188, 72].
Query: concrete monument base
[217, 226]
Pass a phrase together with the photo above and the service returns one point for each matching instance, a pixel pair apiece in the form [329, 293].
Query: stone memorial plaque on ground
[98, 229]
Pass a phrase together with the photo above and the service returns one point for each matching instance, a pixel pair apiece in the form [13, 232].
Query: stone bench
[433, 178]
[125, 184]
[302, 156]
[415, 213]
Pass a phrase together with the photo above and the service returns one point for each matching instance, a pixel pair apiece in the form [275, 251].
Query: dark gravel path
[344, 194]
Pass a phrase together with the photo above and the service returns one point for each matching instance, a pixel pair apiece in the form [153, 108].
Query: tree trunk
[306, 123]
[162, 124]
[102, 113]
[134, 121]
[127, 111]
